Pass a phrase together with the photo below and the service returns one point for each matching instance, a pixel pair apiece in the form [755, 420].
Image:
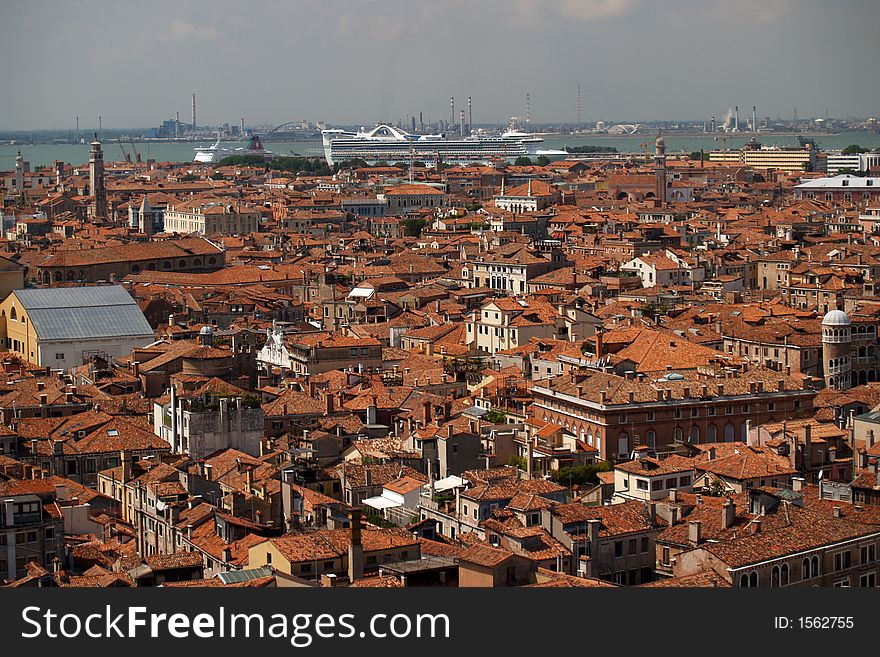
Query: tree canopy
[590, 148]
[413, 227]
[294, 164]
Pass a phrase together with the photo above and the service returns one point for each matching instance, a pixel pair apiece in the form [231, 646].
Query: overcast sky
[358, 61]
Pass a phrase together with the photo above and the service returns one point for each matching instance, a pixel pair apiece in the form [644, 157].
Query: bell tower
[660, 170]
[96, 179]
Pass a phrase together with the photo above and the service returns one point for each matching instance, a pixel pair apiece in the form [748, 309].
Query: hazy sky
[357, 61]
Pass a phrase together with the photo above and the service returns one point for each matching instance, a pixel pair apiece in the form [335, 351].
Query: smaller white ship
[214, 153]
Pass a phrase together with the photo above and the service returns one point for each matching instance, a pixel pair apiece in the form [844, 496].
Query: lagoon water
[44, 154]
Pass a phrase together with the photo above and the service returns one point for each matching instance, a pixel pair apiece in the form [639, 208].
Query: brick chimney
[328, 403]
[808, 447]
[728, 514]
[355, 548]
[125, 462]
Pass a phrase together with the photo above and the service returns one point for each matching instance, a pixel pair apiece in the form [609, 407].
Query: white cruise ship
[386, 143]
[214, 153]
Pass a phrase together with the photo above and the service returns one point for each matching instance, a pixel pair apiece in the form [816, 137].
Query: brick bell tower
[660, 170]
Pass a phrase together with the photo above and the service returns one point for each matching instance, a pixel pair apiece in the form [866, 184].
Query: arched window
[13, 314]
[623, 443]
[814, 567]
[677, 435]
[712, 434]
[753, 580]
[744, 581]
[135, 269]
[651, 439]
[728, 433]
[181, 264]
[774, 576]
[783, 579]
[805, 569]
[695, 435]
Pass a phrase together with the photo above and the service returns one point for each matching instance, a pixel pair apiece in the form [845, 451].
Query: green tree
[590, 149]
[522, 161]
[496, 417]
[518, 461]
[414, 227]
[854, 149]
[696, 155]
[188, 178]
[580, 474]
[543, 161]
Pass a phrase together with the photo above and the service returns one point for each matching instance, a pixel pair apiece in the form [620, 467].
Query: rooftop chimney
[728, 514]
[808, 446]
[694, 532]
[355, 548]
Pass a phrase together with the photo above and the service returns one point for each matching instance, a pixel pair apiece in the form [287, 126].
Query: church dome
[836, 318]
[206, 330]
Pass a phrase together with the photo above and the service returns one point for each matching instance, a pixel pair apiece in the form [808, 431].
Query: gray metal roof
[237, 576]
[73, 313]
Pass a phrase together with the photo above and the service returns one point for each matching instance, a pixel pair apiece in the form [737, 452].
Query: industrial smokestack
[241, 128]
[579, 105]
[712, 125]
[452, 110]
[470, 122]
[528, 109]
[754, 119]
[461, 122]
[177, 125]
[736, 119]
[421, 122]
[194, 113]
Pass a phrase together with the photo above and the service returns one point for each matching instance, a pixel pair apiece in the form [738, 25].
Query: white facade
[64, 354]
[200, 434]
[855, 162]
[274, 353]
